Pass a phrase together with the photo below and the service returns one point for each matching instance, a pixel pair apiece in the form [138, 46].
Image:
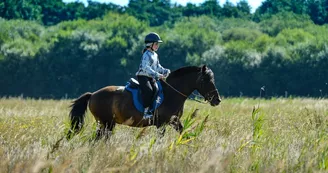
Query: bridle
[175, 89]
[207, 96]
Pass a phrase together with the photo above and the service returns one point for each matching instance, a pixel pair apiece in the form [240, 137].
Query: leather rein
[206, 95]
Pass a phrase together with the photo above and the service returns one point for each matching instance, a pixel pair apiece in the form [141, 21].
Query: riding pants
[149, 89]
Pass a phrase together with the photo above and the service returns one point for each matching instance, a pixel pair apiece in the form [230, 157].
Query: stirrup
[147, 114]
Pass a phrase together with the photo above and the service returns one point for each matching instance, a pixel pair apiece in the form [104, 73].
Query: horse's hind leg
[105, 129]
[99, 130]
[109, 129]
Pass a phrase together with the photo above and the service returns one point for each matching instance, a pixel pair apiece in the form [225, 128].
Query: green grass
[240, 135]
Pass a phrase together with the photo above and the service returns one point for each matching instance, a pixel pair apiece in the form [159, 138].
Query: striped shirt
[150, 66]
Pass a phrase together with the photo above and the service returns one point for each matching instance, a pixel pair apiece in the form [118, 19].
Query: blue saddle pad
[137, 100]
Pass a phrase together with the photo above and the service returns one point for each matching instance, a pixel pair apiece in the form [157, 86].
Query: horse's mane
[191, 69]
[185, 70]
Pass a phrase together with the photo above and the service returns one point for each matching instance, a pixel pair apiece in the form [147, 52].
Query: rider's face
[155, 46]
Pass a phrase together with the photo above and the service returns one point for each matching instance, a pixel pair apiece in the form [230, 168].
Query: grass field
[283, 135]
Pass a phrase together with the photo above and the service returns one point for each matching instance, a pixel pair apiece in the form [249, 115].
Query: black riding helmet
[152, 38]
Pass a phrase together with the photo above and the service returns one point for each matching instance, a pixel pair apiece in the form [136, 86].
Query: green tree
[53, 11]
[155, 12]
[276, 23]
[20, 9]
[97, 9]
[244, 9]
[191, 10]
[186, 46]
[229, 10]
[211, 7]
[317, 11]
[74, 10]
[325, 4]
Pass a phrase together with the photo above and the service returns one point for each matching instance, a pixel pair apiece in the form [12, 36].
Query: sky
[253, 3]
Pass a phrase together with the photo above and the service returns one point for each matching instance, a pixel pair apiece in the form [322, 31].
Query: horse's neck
[177, 91]
[185, 85]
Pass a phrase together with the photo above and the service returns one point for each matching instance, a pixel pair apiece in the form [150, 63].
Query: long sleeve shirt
[150, 66]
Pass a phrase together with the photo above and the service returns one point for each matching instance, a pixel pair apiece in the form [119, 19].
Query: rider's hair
[144, 50]
[146, 47]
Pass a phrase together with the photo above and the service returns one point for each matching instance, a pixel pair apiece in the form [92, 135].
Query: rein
[181, 92]
[175, 89]
[210, 99]
[207, 94]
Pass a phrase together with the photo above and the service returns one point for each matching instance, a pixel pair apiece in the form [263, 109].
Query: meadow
[239, 135]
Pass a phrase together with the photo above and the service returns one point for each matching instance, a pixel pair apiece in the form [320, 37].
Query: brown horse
[113, 105]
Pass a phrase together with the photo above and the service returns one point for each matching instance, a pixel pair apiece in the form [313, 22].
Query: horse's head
[206, 86]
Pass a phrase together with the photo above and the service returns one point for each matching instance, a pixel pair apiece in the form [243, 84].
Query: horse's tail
[79, 107]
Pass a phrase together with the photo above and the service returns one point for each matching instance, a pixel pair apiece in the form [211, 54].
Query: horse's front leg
[161, 130]
[176, 123]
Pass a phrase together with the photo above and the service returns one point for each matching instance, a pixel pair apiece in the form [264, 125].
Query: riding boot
[153, 98]
[151, 106]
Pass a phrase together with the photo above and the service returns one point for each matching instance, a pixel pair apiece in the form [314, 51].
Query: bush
[230, 23]
[290, 37]
[244, 34]
[187, 45]
[262, 43]
[284, 20]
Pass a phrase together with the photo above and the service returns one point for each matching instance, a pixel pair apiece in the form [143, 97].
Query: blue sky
[253, 3]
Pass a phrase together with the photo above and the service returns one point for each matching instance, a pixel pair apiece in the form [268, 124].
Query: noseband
[209, 97]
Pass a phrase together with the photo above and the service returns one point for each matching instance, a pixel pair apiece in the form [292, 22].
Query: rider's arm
[146, 65]
[163, 70]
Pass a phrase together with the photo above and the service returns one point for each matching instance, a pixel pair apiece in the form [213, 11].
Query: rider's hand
[162, 77]
[167, 73]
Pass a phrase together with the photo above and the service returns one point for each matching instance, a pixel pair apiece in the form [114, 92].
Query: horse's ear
[204, 68]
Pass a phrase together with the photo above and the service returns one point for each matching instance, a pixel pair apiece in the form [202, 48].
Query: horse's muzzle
[215, 101]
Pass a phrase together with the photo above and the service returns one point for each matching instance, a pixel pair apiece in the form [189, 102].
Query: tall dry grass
[240, 135]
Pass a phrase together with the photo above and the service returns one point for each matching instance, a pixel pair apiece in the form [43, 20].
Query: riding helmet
[153, 37]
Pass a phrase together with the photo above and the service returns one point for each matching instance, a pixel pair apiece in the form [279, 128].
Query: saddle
[133, 86]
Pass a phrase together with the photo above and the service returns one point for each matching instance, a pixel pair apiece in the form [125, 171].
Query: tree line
[157, 12]
[284, 50]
